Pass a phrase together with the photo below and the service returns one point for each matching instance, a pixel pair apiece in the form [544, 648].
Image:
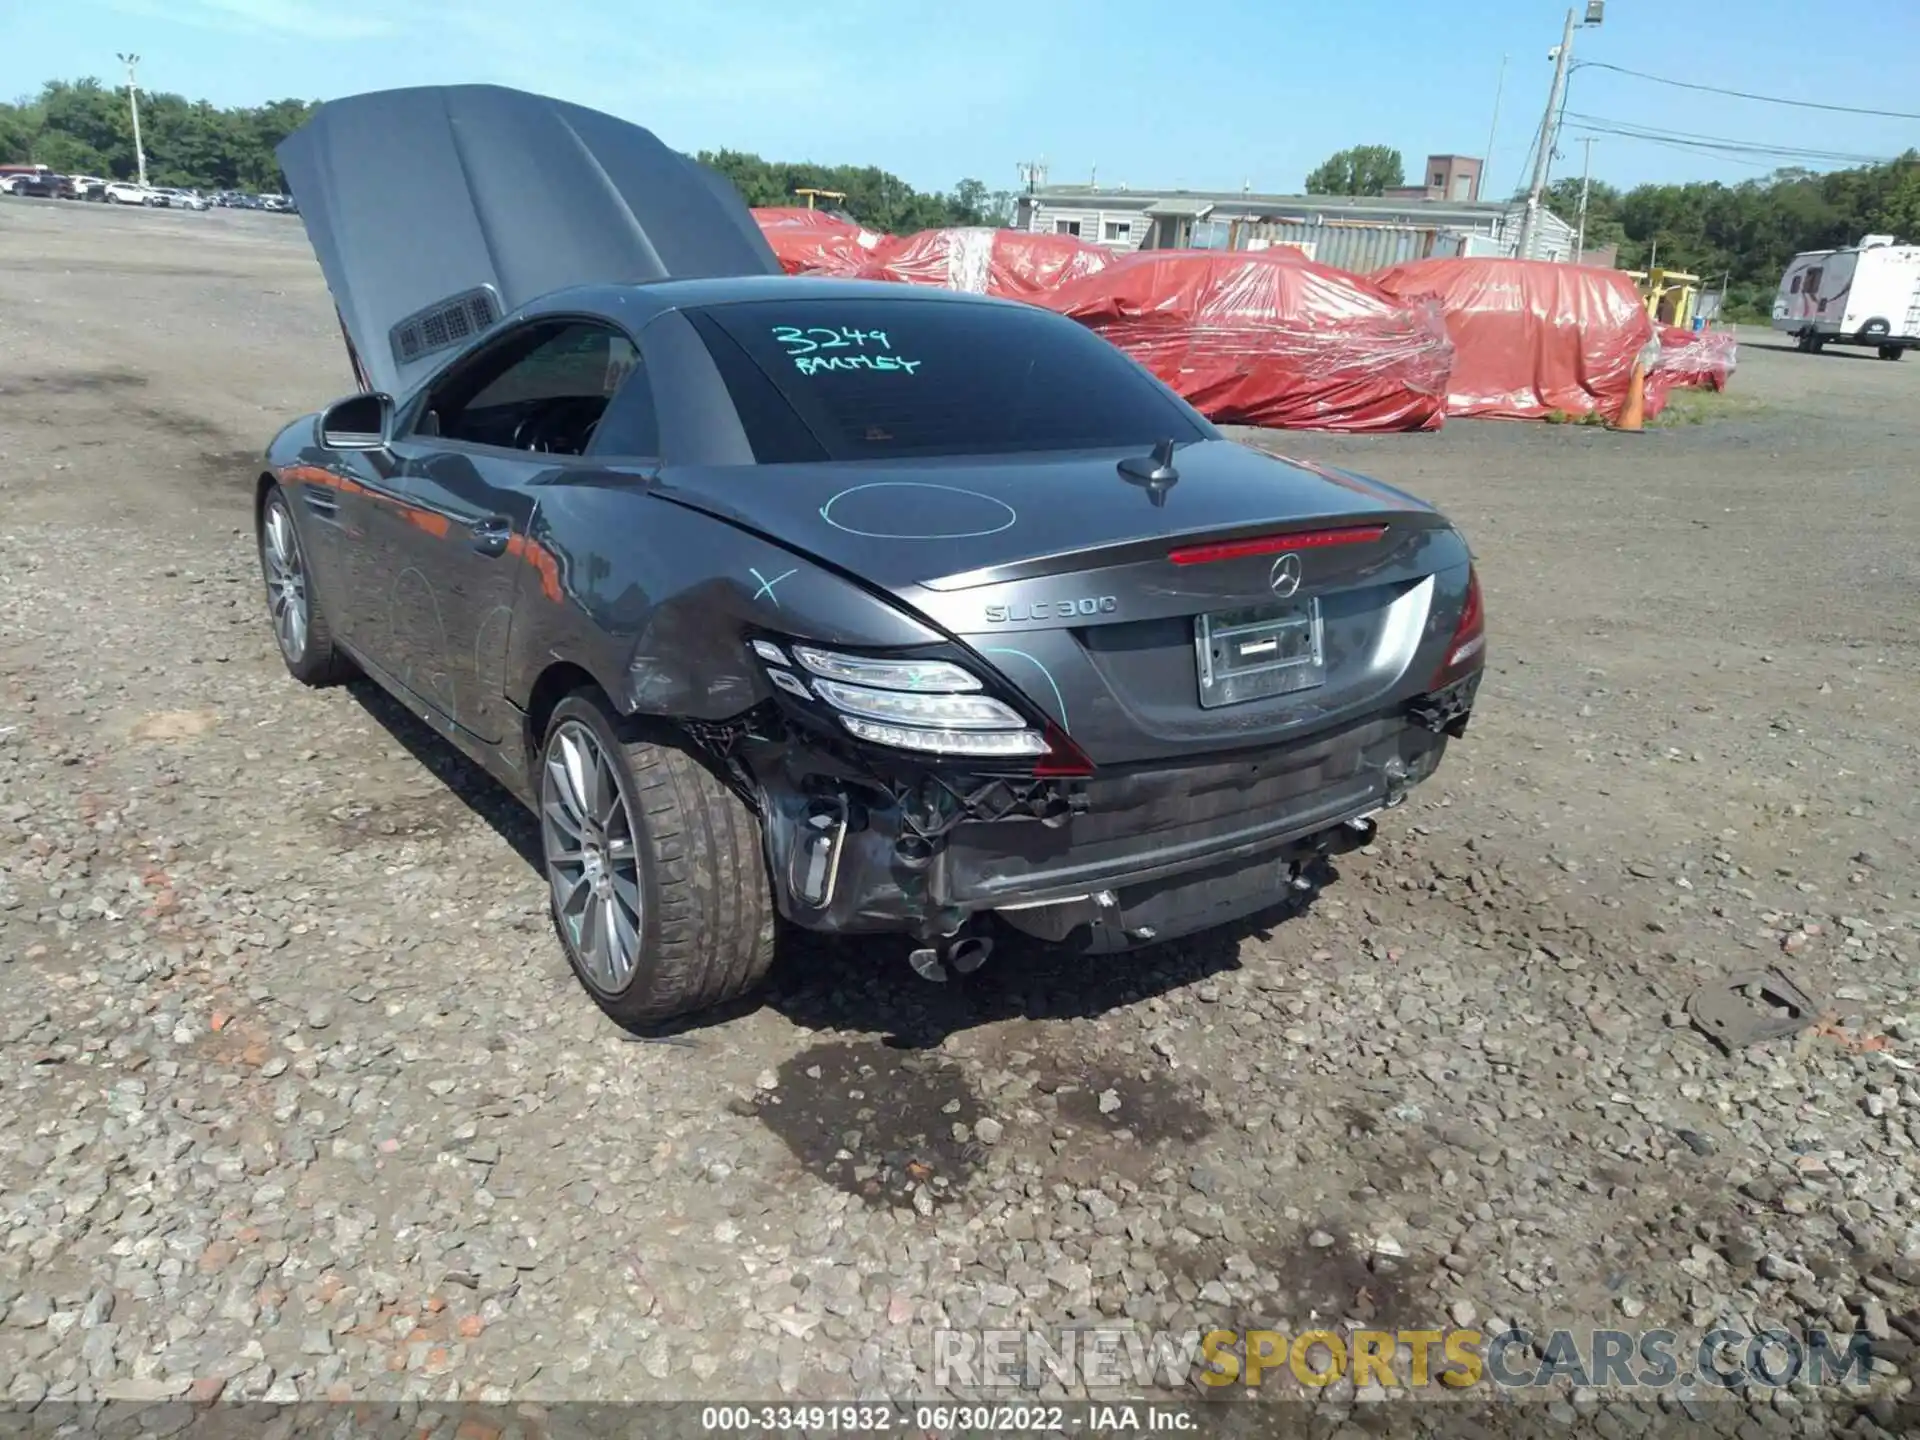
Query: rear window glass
[871, 379]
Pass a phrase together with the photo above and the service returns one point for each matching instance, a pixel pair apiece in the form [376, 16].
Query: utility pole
[1544, 152]
[1493, 131]
[133, 102]
[1586, 181]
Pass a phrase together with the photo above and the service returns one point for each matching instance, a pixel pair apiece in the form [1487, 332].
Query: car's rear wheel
[299, 626]
[656, 878]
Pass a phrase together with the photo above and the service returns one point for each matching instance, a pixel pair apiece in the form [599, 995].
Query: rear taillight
[928, 706]
[1467, 649]
[1064, 760]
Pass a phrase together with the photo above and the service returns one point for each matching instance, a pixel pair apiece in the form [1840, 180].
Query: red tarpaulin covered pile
[1270, 338]
[985, 261]
[1532, 337]
[812, 242]
[1696, 359]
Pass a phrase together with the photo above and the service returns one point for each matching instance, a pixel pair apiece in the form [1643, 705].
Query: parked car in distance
[12, 175]
[44, 184]
[885, 610]
[184, 199]
[128, 192]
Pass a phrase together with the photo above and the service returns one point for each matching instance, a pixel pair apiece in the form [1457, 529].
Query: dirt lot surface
[298, 1098]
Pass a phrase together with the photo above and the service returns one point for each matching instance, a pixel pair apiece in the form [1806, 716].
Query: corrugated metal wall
[1358, 248]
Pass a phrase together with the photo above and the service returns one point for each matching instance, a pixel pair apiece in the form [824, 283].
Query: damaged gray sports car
[879, 609]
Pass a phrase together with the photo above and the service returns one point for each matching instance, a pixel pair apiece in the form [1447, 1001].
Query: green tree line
[1747, 232]
[875, 198]
[82, 127]
[1360, 170]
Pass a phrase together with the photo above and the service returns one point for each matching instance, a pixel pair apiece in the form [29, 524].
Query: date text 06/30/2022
[931, 1419]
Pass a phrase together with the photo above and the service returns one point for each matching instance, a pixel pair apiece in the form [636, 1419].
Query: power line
[1745, 94]
[1629, 130]
[1688, 149]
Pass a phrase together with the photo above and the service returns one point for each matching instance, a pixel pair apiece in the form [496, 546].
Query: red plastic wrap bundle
[1532, 337]
[812, 242]
[986, 261]
[1696, 359]
[1270, 338]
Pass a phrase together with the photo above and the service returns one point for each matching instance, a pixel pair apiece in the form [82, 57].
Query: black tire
[707, 922]
[1892, 352]
[315, 661]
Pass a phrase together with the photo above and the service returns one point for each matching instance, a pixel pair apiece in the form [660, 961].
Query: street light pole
[133, 103]
[1586, 181]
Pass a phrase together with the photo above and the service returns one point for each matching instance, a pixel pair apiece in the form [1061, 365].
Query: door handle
[490, 536]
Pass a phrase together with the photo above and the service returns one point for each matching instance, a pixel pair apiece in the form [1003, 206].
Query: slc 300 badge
[1080, 608]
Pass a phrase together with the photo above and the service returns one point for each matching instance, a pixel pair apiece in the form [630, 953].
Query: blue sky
[1207, 96]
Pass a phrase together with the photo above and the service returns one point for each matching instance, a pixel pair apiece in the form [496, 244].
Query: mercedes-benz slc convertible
[876, 608]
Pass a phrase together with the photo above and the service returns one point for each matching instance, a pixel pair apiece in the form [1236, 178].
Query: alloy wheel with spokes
[592, 856]
[286, 581]
[300, 625]
[656, 868]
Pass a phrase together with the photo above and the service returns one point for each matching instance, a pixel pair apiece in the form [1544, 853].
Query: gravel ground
[299, 1098]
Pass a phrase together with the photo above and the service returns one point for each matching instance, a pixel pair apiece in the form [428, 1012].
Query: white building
[1358, 233]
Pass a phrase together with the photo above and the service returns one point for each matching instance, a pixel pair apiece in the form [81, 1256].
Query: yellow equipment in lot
[1670, 295]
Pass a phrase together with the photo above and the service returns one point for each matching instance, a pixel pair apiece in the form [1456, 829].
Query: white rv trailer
[1868, 294]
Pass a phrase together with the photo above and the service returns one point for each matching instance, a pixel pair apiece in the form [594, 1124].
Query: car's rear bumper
[1146, 854]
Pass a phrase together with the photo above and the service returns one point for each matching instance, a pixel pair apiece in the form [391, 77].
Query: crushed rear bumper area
[1122, 858]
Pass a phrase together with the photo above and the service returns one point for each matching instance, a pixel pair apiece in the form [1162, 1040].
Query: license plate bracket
[1259, 652]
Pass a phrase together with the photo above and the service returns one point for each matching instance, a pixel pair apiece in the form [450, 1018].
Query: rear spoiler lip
[1397, 523]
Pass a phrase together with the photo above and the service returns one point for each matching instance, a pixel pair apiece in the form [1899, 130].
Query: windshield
[881, 378]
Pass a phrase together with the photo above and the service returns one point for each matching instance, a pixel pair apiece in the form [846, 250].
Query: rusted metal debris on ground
[1750, 1006]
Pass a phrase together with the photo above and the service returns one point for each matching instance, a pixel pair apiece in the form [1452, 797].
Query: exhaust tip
[959, 956]
[970, 954]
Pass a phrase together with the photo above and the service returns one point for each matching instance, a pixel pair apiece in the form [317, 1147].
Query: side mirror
[359, 422]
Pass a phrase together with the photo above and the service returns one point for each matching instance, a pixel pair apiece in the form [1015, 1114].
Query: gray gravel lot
[298, 1098]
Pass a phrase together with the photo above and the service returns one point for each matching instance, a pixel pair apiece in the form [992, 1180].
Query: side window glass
[543, 388]
[1794, 288]
[631, 424]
